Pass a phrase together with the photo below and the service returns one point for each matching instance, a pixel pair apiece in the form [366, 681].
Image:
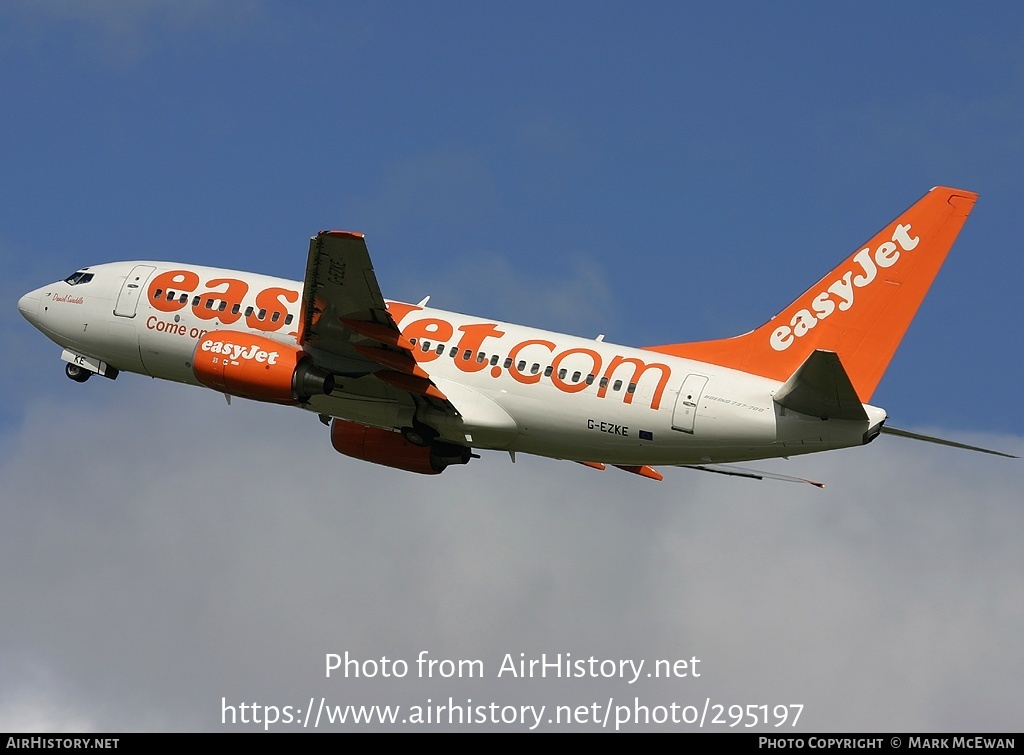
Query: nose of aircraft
[28, 305]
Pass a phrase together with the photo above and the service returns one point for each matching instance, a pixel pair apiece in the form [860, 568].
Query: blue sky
[677, 172]
[676, 156]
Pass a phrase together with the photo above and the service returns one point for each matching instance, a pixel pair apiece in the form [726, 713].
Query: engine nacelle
[392, 450]
[251, 366]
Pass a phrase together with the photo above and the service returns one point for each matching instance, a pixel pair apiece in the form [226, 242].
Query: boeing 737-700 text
[420, 389]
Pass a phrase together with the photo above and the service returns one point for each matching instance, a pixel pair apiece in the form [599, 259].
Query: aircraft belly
[801, 433]
[731, 423]
[119, 345]
[481, 422]
[580, 427]
[168, 356]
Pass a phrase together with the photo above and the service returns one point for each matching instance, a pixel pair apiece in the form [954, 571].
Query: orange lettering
[269, 302]
[573, 387]
[179, 281]
[399, 310]
[639, 368]
[235, 293]
[513, 370]
[430, 328]
[473, 341]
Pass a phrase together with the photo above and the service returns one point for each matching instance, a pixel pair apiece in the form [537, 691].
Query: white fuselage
[516, 388]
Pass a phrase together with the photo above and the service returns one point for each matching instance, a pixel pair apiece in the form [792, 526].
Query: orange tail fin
[860, 310]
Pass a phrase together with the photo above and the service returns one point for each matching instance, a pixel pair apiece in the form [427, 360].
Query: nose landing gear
[80, 368]
[77, 373]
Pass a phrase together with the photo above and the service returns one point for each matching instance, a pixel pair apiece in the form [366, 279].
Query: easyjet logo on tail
[841, 294]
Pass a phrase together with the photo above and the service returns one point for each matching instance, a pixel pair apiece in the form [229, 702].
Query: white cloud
[164, 550]
[36, 703]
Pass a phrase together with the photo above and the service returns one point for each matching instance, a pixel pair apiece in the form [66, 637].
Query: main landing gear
[419, 434]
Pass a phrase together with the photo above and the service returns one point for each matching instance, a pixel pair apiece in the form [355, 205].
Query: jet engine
[251, 366]
[392, 450]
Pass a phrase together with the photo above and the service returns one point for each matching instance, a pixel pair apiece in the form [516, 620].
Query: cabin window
[534, 369]
[209, 303]
[288, 320]
[195, 302]
[631, 388]
[521, 366]
[273, 318]
[562, 373]
[236, 308]
[576, 376]
[183, 299]
[481, 358]
[453, 352]
[466, 355]
[547, 371]
[507, 362]
[440, 349]
[604, 382]
[494, 360]
[425, 346]
[617, 385]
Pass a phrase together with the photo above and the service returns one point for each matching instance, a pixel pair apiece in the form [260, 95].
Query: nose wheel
[77, 373]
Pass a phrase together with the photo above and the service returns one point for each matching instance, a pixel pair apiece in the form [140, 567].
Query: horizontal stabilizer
[820, 387]
[942, 442]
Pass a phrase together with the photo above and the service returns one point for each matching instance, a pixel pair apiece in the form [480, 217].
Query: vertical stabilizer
[860, 310]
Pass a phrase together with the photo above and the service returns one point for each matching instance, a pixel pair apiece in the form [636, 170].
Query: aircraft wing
[345, 325]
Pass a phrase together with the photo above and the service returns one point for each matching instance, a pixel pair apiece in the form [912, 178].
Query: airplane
[422, 389]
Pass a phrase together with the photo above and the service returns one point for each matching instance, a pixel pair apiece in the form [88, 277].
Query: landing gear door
[128, 299]
[686, 403]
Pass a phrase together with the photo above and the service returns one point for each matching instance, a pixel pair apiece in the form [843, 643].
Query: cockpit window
[78, 278]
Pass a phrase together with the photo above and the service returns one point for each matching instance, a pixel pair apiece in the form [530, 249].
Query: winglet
[860, 310]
